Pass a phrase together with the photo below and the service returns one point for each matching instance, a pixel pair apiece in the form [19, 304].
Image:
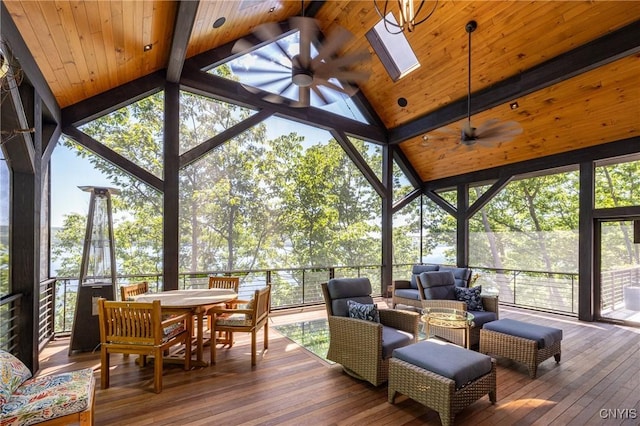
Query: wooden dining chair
[138, 328]
[127, 291]
[230, 283]
[249, 319]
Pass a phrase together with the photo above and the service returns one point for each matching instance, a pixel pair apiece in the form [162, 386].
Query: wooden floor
[597, 382]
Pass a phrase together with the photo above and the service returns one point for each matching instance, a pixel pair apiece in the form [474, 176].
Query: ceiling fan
[490, 133]
[301, 68]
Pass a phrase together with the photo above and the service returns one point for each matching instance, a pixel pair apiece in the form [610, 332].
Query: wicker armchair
[437, 291]
[362, 347]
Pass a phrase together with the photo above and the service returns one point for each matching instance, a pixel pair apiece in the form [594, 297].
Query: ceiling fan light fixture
[410, 15]
[301, 77]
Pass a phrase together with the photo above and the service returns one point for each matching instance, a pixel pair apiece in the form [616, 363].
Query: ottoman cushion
[544, 336]
[447, 360]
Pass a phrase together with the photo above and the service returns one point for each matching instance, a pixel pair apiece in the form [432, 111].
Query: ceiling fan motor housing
[301, 76]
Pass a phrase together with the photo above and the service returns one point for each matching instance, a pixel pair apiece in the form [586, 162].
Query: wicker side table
[448, 318]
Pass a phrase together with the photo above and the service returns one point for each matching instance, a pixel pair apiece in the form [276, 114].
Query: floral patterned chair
[56, 399]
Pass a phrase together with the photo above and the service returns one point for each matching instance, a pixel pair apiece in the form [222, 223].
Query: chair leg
[104, 368]
[157, 372]
[253, 347]
[213, 346]
[266, 335]
[187, 352]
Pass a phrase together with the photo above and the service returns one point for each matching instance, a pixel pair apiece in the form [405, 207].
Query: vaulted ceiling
[572, 66]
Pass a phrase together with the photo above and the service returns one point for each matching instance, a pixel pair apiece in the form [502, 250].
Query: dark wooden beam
[31, 70]
[407, 168]
[171, 188]
[487, 196]
[444, 204]
[359, 161]
[599, 52]
[588, 291]
[182, 29]
[196, 153]
[402, 203]
[231, 91]
[51, 134]
[118, 160]
[571, 158]
[112, 100]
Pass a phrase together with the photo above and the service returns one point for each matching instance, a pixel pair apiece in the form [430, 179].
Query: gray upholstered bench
[520, 341]
[442, 376]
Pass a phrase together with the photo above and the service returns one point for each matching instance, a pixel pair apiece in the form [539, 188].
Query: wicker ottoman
[442, 376]
[527, 343]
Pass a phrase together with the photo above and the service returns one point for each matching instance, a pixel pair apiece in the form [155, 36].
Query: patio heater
[97, 270]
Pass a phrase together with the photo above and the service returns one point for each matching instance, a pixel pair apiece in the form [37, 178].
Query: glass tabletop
[447, 317]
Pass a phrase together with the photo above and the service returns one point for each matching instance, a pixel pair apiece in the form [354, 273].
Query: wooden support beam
[359, 161]
[182, 29]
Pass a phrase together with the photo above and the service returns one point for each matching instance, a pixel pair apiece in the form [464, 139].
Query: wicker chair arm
[354, 335]
[441, 303]
[402, 320]
[490, 303]
[401, 284]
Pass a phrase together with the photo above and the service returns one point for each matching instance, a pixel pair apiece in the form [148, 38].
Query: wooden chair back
[127, 291]
[232, 283]
[248, 320]
[138, 328]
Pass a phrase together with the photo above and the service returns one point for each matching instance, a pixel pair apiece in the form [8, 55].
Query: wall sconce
[410, 16]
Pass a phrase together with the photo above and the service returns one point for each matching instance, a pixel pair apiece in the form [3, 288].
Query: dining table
[194, 301]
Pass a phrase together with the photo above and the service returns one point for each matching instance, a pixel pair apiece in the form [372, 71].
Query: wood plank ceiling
[85, 48]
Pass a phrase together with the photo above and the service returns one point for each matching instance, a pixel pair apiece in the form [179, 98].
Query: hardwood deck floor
[596, 383]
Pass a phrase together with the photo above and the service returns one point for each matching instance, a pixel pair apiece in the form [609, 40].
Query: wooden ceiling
[85, 48]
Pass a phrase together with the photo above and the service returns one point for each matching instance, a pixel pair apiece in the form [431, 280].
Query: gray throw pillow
[363, 311]
[471, 296]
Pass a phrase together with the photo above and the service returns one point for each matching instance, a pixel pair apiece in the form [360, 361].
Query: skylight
[393, 50]
[268, 69]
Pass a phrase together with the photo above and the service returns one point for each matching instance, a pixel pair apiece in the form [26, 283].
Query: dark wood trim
[617, 213]
[359, 161]
[444, 204]
[488, 196]
[571, 158]
[182, 29]
[171, 187]
[22, 235]
[31, 70]
[118, 160]
[462, 226]
[112, 100]
[599, 52]
[199, 151]
[407, 168]
[387, 218]
[231, 91]
[586, 265]
[51, 134]
[402, 203]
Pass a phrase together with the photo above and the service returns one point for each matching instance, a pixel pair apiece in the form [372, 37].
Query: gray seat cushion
[545, 336]
[447, 360]
[438, 285]
[482, 317]
[392, 339]
[418, 269]
[408, 293]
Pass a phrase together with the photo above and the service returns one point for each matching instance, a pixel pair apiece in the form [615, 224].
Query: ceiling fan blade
[271, 31]
[308, 29]
[345, 61]
[447, 131]
[347, 89]
[253, 70]
[319, 94]
[507, 128]
[334, 41]
[344, 75]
